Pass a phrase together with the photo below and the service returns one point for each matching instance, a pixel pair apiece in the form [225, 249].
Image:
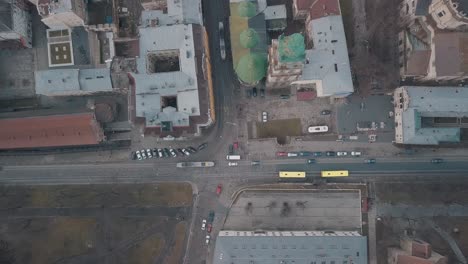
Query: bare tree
[285, 210]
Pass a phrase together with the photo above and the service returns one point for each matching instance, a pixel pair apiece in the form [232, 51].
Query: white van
[233, 157]
[317, 129]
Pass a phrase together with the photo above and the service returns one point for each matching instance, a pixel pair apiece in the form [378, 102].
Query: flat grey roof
[302, 247]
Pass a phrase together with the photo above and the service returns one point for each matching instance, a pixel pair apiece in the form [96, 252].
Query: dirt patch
[280, 128]
[118, 224]
[175, 255]
[422, 193]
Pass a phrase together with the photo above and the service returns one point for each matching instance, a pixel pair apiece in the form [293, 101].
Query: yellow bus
[340, 173]
[292, 174]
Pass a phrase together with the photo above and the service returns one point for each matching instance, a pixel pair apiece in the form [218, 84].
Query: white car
[186, 152]
[356, 153]
[264, 117]
[138, 154]
[207, 241]
[160, 154]
[317, 129]
[143, 154]
[231, 164]
[222, 44]
[148, 153]
[203, 225]
[341, 153]
[173, 153]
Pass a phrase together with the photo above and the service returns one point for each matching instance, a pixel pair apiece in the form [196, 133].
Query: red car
[208, 228]
[219, 189]
[236, 145]
[281, 154]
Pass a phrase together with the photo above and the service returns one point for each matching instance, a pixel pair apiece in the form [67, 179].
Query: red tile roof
[323, 8]
[306, 96]
[50, 131]
[304, 4]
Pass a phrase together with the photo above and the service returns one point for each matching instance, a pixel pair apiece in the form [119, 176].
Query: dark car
[330, 153]
[254, 92]
[325, 112]
[317, 154]
[202, 146]
[248, 93]
[437, 160]
[284, 96]
[155, 153]
[310, 161]
[211, 217]
[231, 149]
[192, 149]
[133, 155]
[255, 163]
[181, 151]
[166, 152]
[370, 161]
[262, 92]
[305, 153]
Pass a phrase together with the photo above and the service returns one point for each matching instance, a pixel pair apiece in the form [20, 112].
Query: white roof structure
[327, 64]
[275, 12]
[72, 81]
[178, 12]
[151, 88]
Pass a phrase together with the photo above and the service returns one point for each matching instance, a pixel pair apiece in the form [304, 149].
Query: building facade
[15, 24]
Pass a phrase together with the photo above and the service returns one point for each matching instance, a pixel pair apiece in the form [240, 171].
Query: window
[441, 13]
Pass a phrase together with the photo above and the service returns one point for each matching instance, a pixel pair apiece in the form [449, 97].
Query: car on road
[264, 117]
[203, 225]
[317, 154]
[143, 154]
[231, 149]
[207, 239]
[356, 153]
[293, 154]
[317, 129]
[437, 161]
[192, 149]
[202, 146]
[186, 152]
[310, 161]
[254, 92]
[305, 153]
[325, 112]
[209, 227]
[222, 43]
[284, 96]
[330, 153]
[370, 161]
[235, 145]
[262, 92]
[342, 153]
[211, 217]
[138, 154]
[232, 164]
[173, 153]
[255, 163]
[219, 189]
[148, 153]
[281, 154]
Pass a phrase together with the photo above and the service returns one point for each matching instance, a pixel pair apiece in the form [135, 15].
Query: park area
[95, 223]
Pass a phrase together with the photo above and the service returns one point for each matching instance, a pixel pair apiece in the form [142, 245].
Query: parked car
[310, 161]
[317, 154]
[186, 152]
[305, 153]
[254, 92]
[356, 153]
[222, 44]
[202, 146]
[262, 92]
[292, 154]
[138, 154]
[143, 154]
[148, 153]
[281, 154]
[255, 163]
[231, 149]
[370, 161]
[133, 155]
[325, 112]
[248, 93]
[160, 153]
[155, 153]
[192, 149]
[437, 160]
[264, 117]
[232, 164]
[209, 227]
[166, 152]
[236, 145]
[219, 189]
[317, 129]
[181, 151]
[207, 239]
[284, 96]
[203, 225]
[330, 153]
[173, 153]
[342, 153]
[211, 216]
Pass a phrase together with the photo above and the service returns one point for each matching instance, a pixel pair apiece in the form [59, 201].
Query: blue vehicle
[317, 154]
[305, 153]
[310, 161]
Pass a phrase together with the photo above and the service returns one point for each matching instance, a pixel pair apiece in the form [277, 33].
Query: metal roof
[50, 131]
[298, 247]
[327, 64]
[275, 12]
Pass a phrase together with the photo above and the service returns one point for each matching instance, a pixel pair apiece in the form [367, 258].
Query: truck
[199, 164]
[233, 157]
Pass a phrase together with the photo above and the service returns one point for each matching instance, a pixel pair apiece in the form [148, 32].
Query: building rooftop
[72, 81]
[422, 7]
[323, 8]
[6, 21]
[60, 47]
[451, 53]
[166, 70]
[275, 12]
[298, 247]
[328, 61]
[422, 101]
[178, 12]
[304, 4]
[50, 131]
